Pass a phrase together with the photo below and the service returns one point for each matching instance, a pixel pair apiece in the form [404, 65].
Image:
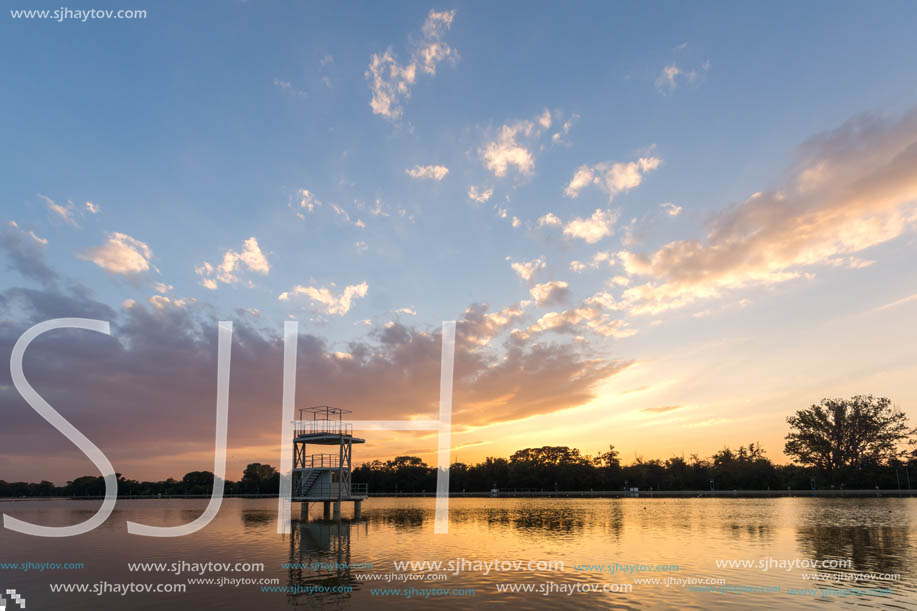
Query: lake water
[876, 534]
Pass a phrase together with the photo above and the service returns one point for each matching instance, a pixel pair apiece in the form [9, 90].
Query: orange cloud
[849, 189]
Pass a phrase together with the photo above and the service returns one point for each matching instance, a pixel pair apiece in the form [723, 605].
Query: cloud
[672, 74]
[665, 82]
[478, 327]
[544, 119]
[592, 314]
[554, 292]
[390, 373]
[849, 262]
[15, 230]
[593, 228]
[479, 194]
[848, 190]
[897, 302]
[597, 259]
[432, 49]
[532, 380]
[162, 287]
[121, 254]
[432, 172]
[287, 87]
[527, 269]
[612, 178]
[356, 222]
[582, 178]
[560, 136]
[378, 208]
[498, 155]
[307, 202]
[228, 271]
[409, 311]
[549, 219]
[162, 302]
[661, 410]
[503, 213]
[361, 246]
[741, 303]
[91, 208]
[671, 209]
[25, 253]
[325, 300]
[391, 83]
[64, 212]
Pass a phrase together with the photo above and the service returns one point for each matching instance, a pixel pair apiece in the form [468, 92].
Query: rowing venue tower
[322, 461]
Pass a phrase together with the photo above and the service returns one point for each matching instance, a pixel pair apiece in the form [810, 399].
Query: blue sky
[203, 126]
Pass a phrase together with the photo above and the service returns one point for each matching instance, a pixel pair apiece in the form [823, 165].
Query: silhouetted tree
[842, 435]
[259, 479]
[198, 482]
[745, 468]
[413, 474]
[609, 466]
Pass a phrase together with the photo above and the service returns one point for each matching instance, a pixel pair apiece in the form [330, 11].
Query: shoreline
[642, 494]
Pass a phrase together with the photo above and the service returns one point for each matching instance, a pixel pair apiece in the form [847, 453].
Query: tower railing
[320, 461]
[321, 427]
[359, 489]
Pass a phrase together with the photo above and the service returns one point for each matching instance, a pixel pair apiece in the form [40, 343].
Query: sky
[665, 227]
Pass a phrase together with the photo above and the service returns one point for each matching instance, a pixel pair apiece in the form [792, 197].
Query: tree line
[856, 443]
[257, 478]
[861, 442]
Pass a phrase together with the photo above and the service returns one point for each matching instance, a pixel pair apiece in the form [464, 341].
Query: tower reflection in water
[320, 562]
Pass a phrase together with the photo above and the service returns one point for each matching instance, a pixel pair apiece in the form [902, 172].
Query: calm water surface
[876, 534]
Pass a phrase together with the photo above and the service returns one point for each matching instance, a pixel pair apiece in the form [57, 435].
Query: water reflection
[257, 518]
[539, 521]
[320, 555]
[882, 549]
[753, 532]
[399, 517]
[536, 521]
[876, 534]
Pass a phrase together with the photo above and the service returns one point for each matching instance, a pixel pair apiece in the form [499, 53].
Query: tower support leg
[337, 510]
[357, 505]
[327, 510]
[304, 511]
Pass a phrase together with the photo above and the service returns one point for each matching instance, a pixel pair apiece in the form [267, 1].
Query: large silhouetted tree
[197, 482]
[842, 434]
[260, 479]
